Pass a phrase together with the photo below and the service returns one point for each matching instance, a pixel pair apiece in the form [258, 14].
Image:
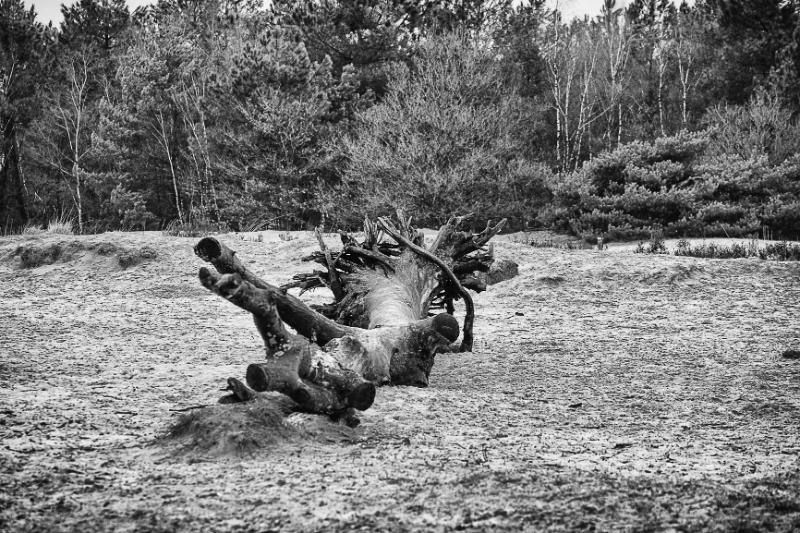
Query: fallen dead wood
[382, 327]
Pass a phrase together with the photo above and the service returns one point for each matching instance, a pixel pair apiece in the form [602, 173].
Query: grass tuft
[195, 227]
[31, 229]
[60, 226]
[655, 245]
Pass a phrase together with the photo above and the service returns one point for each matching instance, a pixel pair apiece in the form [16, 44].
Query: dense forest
[225, 114]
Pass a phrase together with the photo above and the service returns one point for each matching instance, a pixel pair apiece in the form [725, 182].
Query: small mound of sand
[674, 274]
[34, 255]
[243, 429]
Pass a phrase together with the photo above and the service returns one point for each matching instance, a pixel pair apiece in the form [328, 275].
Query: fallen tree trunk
[381, 327]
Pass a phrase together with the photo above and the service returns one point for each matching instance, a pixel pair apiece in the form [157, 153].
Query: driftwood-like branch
[372, 234]
[378, 257]
[456, 241]
[262, 306]
[334, 281]
[475, 242]
[446, 231]
[298, 315]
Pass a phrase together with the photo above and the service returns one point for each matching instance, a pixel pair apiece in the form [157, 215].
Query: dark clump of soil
[132, 257]
[37, 255]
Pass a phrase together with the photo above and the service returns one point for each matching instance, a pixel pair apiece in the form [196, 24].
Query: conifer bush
[445, 139]
[674, 185]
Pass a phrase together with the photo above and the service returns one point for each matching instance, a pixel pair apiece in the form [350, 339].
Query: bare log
[294, 367]
[298, 315]
[265, 313]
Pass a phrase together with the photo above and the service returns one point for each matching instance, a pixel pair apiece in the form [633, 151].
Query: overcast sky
[50, 10]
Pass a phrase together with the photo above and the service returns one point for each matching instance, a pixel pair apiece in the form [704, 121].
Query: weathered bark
[298, 315]
[378, 330]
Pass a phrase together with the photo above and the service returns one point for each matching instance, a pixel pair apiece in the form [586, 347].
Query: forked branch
[294, 312]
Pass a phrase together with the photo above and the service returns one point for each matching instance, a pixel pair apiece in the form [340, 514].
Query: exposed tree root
[380, 327]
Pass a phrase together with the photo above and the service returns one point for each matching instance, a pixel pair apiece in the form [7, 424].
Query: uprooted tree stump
[381, 327]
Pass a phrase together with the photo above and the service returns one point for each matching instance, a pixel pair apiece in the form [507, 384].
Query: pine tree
[746, 38]
[23, 44]
[98, 23]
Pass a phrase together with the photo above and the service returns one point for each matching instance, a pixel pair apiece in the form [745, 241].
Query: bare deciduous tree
[69, 106]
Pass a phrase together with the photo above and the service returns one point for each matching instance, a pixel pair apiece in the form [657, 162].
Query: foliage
[23, 46]
[717, 251]
[738, 196]
[443, 140]
[745, 39]
[309, 112]
[655, 245]
[629, 192]
[674, 186]
[95, 24]
[288, 108]
[761, 127]
[780, 251]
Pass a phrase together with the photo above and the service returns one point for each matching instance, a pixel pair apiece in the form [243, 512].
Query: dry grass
[60, 226]
[31, 230]
[57, 226]
[754, 248]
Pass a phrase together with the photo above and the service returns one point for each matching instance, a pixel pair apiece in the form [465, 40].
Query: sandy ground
[607, 391]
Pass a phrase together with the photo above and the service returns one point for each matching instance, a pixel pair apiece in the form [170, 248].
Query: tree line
[226, 114]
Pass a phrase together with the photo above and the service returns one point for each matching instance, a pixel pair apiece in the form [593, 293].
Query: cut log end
[447, 326]
[208, 249]
[258, 378]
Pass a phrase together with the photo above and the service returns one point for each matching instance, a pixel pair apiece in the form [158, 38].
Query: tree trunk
[380, 328]
[13, 211]
[76, 175]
